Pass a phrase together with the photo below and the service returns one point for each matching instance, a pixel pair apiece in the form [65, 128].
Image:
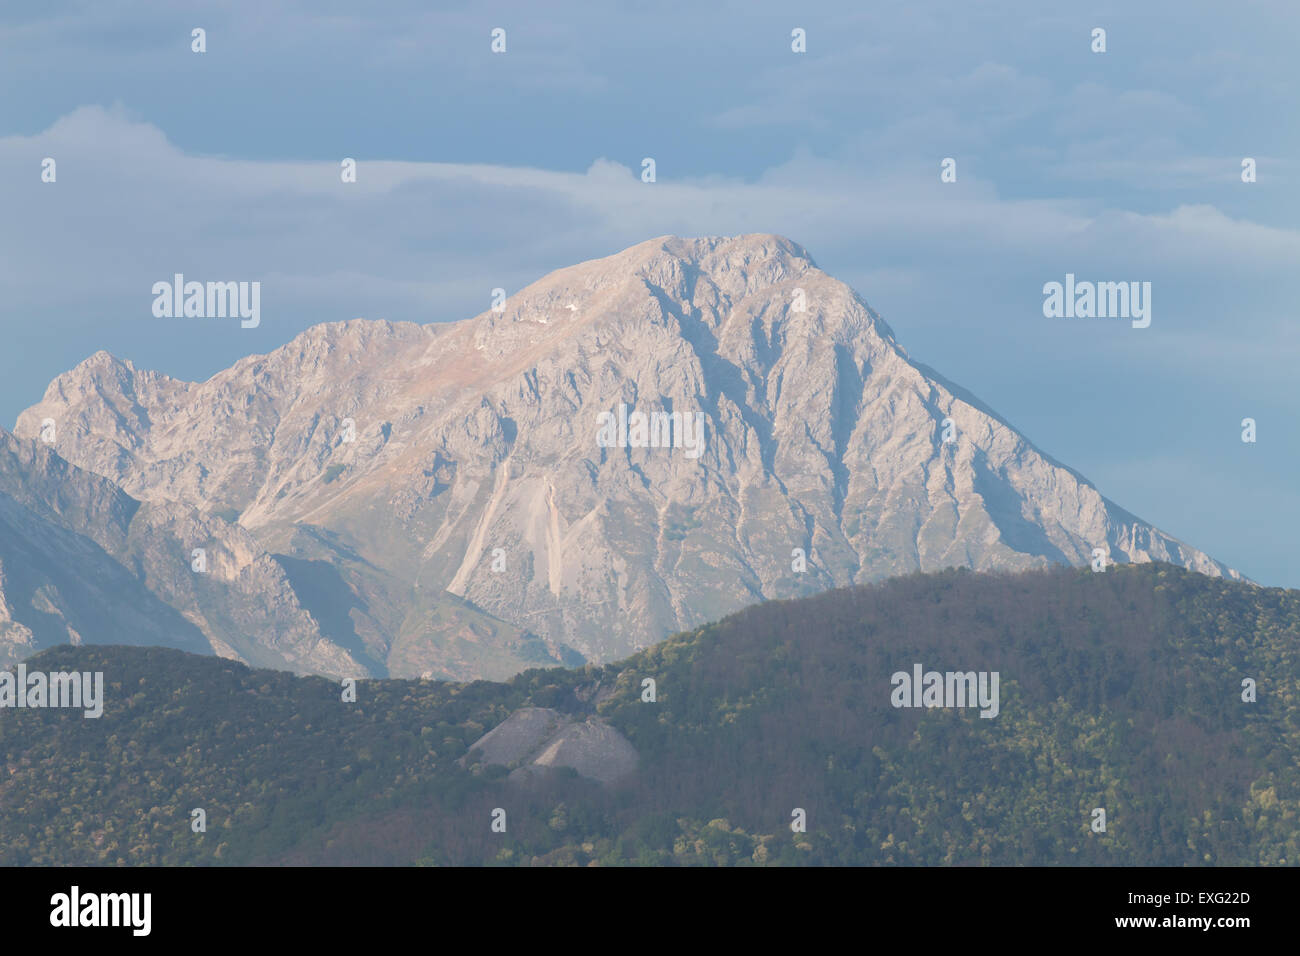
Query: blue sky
[480, 170]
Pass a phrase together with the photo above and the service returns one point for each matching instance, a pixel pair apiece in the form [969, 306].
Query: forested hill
[1120, 691]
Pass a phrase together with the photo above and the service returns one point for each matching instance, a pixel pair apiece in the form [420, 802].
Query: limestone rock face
[535, 740]
[442, 498]
[518, 737]
[83, 562]
[594, 749]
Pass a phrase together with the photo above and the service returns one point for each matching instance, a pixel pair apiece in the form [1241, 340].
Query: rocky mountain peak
[481, 493]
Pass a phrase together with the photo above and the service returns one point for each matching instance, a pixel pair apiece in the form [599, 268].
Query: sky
[479, 169]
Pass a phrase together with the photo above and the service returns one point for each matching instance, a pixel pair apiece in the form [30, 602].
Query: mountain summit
[469, 499]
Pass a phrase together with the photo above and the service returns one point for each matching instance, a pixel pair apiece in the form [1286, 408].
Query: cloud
[129, 204]
[480, 171]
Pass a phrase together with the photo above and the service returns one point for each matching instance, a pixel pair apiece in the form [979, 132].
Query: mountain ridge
[460, 460]
[1164, 697]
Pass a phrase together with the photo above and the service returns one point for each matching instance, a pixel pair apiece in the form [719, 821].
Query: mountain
[1123, 691]
[444, 498]
[58, 586]
[83, 562]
